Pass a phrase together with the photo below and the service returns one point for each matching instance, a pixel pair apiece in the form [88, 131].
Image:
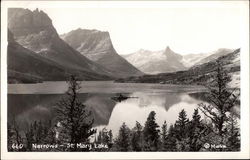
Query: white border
[244, 153]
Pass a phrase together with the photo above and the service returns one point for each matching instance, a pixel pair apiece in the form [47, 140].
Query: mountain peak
[168, 51]
[23, 22]
[88, 41]
[168, 48]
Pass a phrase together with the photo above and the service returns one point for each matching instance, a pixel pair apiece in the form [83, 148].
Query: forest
[72, 127]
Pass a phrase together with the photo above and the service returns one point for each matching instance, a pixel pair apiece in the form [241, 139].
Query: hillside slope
[25, 66]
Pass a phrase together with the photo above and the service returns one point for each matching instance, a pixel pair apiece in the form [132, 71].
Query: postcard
[124, 79]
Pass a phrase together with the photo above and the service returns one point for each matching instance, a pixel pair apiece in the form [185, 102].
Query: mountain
[34, 31]
[97, 46]
[189, 60]
[214, 55]
[26, 66]
[156, 62]
[197, 74]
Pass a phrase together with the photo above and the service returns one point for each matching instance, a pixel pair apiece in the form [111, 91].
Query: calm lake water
[29, 102]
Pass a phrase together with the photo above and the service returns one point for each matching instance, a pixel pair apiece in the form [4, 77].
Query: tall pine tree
[151, 133]
[222, 99]
[122, 142]
[181, 125]
[170, 143]
[164, 136]
[195, 132]
[137, 137]
[75, 121]
[233, 134]
[181, 128]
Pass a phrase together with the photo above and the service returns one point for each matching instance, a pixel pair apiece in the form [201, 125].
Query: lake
[29, 102]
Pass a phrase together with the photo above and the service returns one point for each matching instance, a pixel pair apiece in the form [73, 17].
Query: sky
[187, 27]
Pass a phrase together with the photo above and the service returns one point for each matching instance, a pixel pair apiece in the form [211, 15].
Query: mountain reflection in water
[106, 112]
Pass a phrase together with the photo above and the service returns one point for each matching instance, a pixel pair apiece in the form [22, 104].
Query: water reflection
[106, 111]
[166, 106]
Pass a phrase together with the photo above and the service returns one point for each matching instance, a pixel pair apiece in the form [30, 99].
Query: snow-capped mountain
[153, 62]
[97, 46]
[197, 74]
[156, 62]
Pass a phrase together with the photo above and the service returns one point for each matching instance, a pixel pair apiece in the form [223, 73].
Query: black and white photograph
[151, 77]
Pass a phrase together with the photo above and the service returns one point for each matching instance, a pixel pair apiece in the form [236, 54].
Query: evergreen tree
[151, 133]
[137, 139]
[110, 139]
[221, 99]
[75, 120]
[110, 134]
[170, 143]
[196, 130]
[181, 128]
[181, 125]
[233, 136]
[105, 137]
[99, 137]
[164, 136]
[123, 140]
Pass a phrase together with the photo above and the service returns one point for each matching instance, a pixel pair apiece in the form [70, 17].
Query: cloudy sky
[187, 27]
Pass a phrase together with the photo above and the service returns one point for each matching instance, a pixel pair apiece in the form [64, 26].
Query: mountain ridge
[97, 46]
[154, 62]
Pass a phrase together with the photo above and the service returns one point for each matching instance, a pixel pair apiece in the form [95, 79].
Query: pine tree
[110, 139]
[170, 143]
[99, 137]
[76, 122]
[221, 99]
[123, 140]
[110, 134]
[181, 128]
[164, 136]
[151, 133]
[137, 139]
[233, 136]
[181, 125]
[105, 137]
[196, 130]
